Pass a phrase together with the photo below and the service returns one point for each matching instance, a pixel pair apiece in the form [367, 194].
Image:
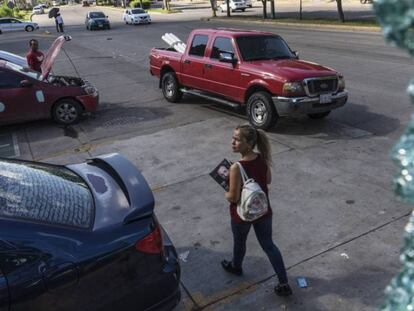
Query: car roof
[13, 58]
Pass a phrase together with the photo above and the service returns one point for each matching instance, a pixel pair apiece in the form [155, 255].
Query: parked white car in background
[38, 9]
[235, 5]
[136, 16]
[14, 24]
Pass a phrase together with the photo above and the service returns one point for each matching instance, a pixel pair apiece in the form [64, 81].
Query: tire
[320, 115]
[87, 27]
[243, 10]
[108, 27]
[67, 111]
[170, 87]
[29, 28]
[261, 111]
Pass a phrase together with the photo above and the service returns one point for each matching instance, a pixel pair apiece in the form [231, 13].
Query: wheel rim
[29, 29]
[259, 112]
[169, 87]
[66, 113]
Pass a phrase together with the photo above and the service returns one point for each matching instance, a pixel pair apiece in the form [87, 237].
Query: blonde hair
[257, 138]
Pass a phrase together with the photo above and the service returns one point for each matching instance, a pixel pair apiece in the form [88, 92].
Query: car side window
[15, 21]
[4, 21]
[9, 80]
[198, 46]
[222, 45]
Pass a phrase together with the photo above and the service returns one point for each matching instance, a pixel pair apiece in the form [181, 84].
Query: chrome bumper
[295, 106]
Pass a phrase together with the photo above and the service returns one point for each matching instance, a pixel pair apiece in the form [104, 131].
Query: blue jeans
[263, 230]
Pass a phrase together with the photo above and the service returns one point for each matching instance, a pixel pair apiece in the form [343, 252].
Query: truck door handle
[186, 61]
[208, 66]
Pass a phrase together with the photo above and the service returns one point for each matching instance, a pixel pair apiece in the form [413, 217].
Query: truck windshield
[263, 48]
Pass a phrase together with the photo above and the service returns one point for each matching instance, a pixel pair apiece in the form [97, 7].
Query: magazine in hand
[221, 174]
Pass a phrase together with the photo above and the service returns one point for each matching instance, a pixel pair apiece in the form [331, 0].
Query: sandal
[283, 290]
[228, 266]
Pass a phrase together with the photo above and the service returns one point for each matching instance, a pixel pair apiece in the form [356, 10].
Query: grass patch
[164, 11]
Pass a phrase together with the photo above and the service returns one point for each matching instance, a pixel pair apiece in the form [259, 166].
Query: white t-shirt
[59, 19]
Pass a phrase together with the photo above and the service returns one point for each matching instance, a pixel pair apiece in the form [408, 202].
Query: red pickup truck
[254, 69]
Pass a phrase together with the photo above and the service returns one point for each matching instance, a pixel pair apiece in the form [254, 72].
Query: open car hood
[51, 55]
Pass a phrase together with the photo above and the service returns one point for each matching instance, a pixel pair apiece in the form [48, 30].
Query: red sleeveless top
[256, 169]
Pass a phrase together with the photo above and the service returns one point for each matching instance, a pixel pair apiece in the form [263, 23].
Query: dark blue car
[82, 237]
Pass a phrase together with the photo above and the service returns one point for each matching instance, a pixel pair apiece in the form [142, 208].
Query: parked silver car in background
[14, 24]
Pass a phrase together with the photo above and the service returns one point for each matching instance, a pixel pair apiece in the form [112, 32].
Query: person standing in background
[35, 57]
[59, 22]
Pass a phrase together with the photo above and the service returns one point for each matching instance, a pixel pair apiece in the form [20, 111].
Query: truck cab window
[198, 46]
[222, 45]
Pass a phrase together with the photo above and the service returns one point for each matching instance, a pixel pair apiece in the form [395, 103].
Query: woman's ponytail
[264, 147]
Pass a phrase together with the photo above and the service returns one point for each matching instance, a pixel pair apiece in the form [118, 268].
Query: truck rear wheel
[170, 87]
[320, 115]
[260, 111]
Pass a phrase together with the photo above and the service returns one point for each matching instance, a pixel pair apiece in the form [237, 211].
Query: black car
[97, 20]
[82, 237]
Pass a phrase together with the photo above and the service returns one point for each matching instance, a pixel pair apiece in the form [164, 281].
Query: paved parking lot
[336, 219]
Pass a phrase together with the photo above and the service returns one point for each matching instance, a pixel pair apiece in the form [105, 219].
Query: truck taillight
[152, 243]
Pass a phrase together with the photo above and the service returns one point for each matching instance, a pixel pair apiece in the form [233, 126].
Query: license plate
[100, 26]
[325, 98]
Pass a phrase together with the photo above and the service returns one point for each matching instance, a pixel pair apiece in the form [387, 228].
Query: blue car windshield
[263, 47]
[97, 15]
[43, 193]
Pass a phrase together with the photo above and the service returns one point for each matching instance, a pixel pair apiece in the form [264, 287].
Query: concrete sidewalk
[339, 230]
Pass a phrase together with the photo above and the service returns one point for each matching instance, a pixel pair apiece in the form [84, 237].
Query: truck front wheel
[320, 115]
[170, 87]
[260, 111]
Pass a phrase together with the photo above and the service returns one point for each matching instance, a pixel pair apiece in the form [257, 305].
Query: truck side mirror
[227, 58]
[296, 53]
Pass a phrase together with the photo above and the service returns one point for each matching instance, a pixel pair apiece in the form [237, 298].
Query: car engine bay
[65, 81]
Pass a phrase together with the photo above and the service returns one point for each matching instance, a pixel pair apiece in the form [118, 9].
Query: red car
[28, 95]
[253, 69]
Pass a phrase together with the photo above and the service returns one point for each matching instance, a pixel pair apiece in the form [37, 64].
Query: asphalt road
[336, 219]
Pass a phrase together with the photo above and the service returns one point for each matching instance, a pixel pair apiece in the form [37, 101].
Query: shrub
[5, 11]
[146, 4]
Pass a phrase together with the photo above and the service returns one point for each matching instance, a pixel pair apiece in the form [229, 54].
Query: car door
[4, 292]
[17, 102]
[22, 268]
[193, 62]
[5, 24]
[16, 25]
[223, 78]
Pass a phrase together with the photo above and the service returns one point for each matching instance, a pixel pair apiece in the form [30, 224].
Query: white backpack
[253, 202]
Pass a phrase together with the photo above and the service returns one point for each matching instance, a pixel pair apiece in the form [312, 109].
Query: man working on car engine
[34, 57]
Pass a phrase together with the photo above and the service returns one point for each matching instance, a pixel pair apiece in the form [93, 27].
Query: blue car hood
[120, 192]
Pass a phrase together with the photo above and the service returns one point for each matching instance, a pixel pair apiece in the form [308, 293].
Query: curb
[373, 29]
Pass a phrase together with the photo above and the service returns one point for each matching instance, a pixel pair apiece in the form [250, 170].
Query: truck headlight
[293, 88]
[341, 83]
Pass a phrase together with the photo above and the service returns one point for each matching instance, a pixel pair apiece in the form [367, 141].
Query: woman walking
[257, 166]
